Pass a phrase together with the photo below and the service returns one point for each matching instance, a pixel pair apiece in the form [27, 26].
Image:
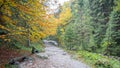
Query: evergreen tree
[100, 11]
[111, 41]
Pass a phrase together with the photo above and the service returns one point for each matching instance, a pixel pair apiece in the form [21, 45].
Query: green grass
[23, 47]
[97, 60]
[11, 66]
[38, 46]
[94, 60]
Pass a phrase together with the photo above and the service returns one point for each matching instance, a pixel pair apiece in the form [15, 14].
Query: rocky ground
[53, 57]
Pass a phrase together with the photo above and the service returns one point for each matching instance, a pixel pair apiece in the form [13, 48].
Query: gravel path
[57, 58]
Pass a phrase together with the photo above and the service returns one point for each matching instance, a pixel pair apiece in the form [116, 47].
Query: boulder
[53, 42]
[13, 62]
[34, 50]
[64, 53]
[42, 55]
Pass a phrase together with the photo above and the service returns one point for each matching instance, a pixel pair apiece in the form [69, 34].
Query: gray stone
[53, 42]
[42, 55]
[64, 53]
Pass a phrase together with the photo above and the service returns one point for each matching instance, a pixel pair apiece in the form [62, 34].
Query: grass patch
[38, 46]
[11, 66]
[23, 48]
[97, 60]
[94, 60]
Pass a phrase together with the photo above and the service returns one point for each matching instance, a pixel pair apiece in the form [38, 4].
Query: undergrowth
[97, 60]
[17, 51]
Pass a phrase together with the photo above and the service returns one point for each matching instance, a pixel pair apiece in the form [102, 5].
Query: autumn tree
[17, 21]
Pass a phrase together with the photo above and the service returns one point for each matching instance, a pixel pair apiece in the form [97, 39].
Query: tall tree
[111, 41]
[100, 11]
[18, 18]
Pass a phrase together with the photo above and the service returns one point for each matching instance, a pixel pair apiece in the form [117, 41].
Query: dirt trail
[57, 58]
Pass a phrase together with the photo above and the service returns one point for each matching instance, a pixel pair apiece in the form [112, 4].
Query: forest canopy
[88, 28]
[94, 26]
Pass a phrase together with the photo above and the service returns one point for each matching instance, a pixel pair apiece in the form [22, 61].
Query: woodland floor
[7, 53]
[57, 58]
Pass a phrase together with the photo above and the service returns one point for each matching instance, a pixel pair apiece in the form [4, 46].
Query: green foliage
[77, 33]
[11, 66]
[100, 11]
[112, 38]
[94, 27]
[38, 46]
[70, 37]
[98, 61]
[103, 64]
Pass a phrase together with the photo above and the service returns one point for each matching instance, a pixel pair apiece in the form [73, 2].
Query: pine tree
[111, 41]
[100, 10]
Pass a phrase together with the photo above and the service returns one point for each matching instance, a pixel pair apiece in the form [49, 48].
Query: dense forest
[94, 27]
[82, 26]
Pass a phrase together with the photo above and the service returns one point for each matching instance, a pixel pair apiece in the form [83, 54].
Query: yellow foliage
[3, 27]
[65, 15]
[40, 24]
[50, 27]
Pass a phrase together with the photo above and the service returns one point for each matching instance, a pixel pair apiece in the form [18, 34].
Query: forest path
[57, 58]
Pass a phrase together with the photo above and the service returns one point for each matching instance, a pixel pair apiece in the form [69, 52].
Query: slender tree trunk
[28, 41]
